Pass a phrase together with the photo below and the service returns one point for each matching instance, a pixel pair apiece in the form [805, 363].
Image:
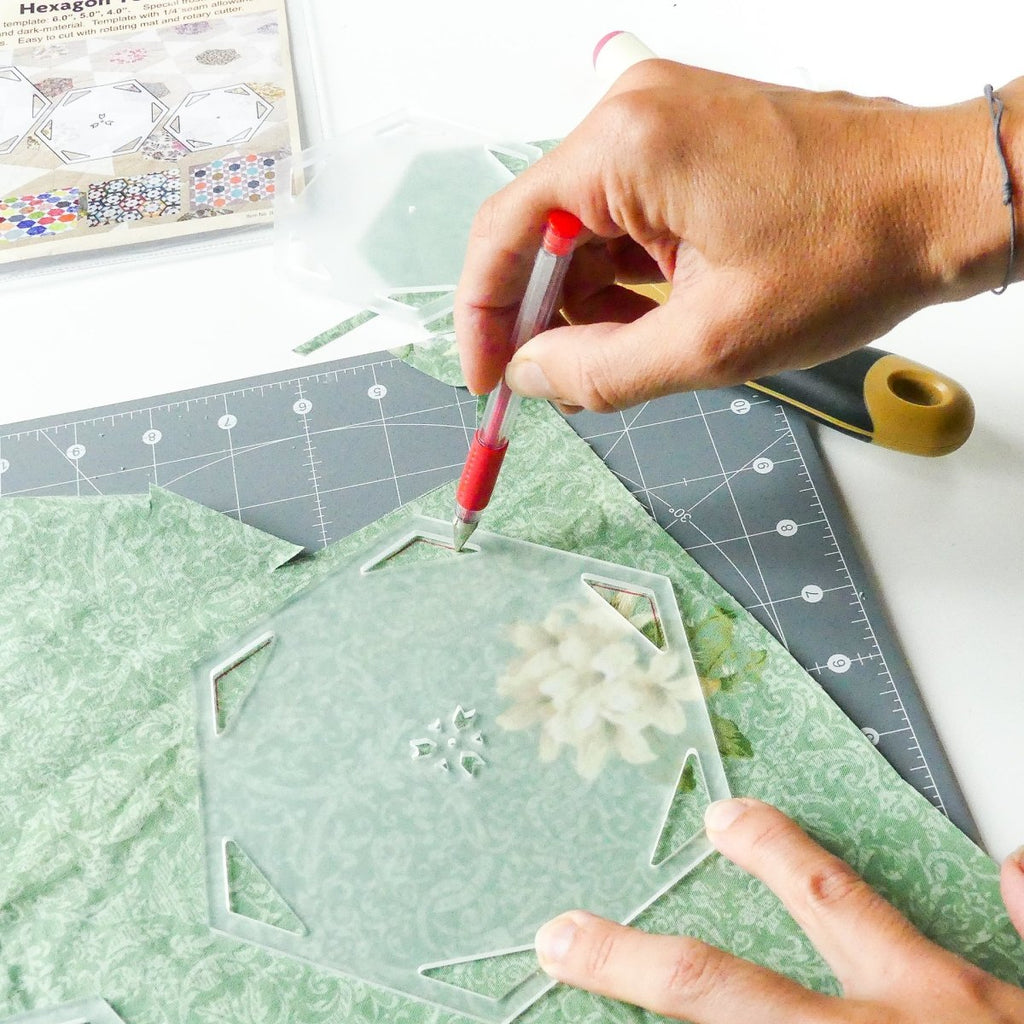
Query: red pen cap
[561, 231]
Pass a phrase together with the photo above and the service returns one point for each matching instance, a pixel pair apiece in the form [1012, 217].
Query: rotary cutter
[873, 395]
[880, 397]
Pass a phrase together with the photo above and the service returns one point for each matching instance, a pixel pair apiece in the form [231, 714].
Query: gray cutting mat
[312, 455]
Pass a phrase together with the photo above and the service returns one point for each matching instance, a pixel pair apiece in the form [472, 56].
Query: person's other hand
[793, 226]
[888, 970]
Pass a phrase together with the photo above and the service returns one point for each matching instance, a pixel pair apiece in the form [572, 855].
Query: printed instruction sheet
[127, 121]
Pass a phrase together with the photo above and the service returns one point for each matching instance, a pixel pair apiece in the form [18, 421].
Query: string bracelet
[995, 105]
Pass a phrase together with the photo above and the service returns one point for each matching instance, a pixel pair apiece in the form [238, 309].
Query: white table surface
[943, 538]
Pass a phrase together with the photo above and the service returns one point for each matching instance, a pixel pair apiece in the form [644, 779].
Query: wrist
[966, 227]
[1012, 137]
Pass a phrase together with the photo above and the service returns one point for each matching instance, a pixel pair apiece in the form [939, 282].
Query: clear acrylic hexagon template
[101, 121]
[416, 761]
[21, 105]
[82, 1011]
[230, 115]
[384, 217]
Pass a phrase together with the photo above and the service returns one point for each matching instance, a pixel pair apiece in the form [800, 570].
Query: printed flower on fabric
[157, 89]
[217, 57]
[234, 181]
[589, 688]
[192, 28]
[128, 55]
[54, 88]
[161, 145]
[38, 216]
[270, 91]
[50, 52]
[157, 194]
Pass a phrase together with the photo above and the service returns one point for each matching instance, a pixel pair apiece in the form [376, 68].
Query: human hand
[889, 971]
[793, 226]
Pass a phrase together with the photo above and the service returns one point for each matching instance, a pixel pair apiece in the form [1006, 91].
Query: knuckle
[599, 385]
[637, 121]
[731, 348]
[770, 836]
[974, 987]
[834, 884]
[650, 73]
[692, 973]
[873, 1013]
[725, 358]
[601, 954]
[486, 218]
[841, 97]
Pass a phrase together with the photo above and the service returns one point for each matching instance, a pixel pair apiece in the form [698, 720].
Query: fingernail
[722, 813]
[1017, 857]
[554, 939]
[527, 378]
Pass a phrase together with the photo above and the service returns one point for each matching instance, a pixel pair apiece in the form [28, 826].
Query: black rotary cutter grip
[879, 397]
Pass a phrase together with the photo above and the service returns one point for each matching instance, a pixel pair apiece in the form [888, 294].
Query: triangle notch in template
[494, 977]
[637, 607]
[416, 552]
[250, 893]
[234, 682]
[685, 816]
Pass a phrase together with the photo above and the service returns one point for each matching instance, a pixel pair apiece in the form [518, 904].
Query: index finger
[503, 242]
[672, 975]
[862, 937]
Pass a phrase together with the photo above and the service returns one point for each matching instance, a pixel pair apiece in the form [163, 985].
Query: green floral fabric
[106, 603]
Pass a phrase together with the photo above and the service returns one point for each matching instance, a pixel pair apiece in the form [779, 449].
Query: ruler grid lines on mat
[312, 455]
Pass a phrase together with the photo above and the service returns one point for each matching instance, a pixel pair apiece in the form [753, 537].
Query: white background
[944, 538]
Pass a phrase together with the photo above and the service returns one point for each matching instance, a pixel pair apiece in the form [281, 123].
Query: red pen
[490, 442]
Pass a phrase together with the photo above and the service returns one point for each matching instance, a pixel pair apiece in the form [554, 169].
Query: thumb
[608, 366]
[1011, 883]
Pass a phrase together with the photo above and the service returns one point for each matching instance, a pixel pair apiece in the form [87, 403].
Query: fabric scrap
[335, 332]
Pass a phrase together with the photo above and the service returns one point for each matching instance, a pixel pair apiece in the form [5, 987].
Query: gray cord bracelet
[996, 108]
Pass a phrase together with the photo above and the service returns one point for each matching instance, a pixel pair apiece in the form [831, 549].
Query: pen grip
[479, 474]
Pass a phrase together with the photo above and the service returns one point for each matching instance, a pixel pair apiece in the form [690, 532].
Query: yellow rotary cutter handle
[880, 397]
[876, 396]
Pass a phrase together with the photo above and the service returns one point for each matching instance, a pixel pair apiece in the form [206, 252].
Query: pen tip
[461, 532]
